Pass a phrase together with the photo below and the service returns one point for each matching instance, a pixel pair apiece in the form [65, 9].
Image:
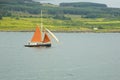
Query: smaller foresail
[46, 38]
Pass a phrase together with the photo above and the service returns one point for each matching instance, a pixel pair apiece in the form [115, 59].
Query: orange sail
[37, 37]
[46, 38]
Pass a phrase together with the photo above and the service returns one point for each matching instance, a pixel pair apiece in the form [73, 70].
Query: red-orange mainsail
[37, 37]
[46, 38]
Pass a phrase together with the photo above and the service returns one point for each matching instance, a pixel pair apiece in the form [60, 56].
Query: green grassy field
[75, 24]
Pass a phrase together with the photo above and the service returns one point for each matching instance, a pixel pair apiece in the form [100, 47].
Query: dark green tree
[0, 17]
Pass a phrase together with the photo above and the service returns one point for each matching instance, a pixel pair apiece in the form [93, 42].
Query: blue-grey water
[78, 56]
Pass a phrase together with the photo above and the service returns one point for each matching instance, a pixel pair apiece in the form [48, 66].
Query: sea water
[78, 56]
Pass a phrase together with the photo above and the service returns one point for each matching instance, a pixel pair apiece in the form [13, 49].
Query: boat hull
[38, 45]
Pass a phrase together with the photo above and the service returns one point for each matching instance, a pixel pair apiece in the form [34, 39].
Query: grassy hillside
[75, 24]
[24, 15]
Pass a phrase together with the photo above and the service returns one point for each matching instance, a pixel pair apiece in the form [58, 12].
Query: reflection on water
[78, 56]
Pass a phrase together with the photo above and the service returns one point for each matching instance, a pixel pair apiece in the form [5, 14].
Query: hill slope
[85, 9]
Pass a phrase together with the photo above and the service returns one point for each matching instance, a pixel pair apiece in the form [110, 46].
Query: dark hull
[39, 45]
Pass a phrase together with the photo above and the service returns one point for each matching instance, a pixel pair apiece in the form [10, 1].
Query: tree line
[82, 4]
[86, 10]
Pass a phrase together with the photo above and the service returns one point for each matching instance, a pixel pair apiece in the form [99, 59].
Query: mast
[41, 25]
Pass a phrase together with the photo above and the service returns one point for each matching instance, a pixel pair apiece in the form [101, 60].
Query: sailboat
[39, 39]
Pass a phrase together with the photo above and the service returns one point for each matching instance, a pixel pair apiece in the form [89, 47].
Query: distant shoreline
[64, 31]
